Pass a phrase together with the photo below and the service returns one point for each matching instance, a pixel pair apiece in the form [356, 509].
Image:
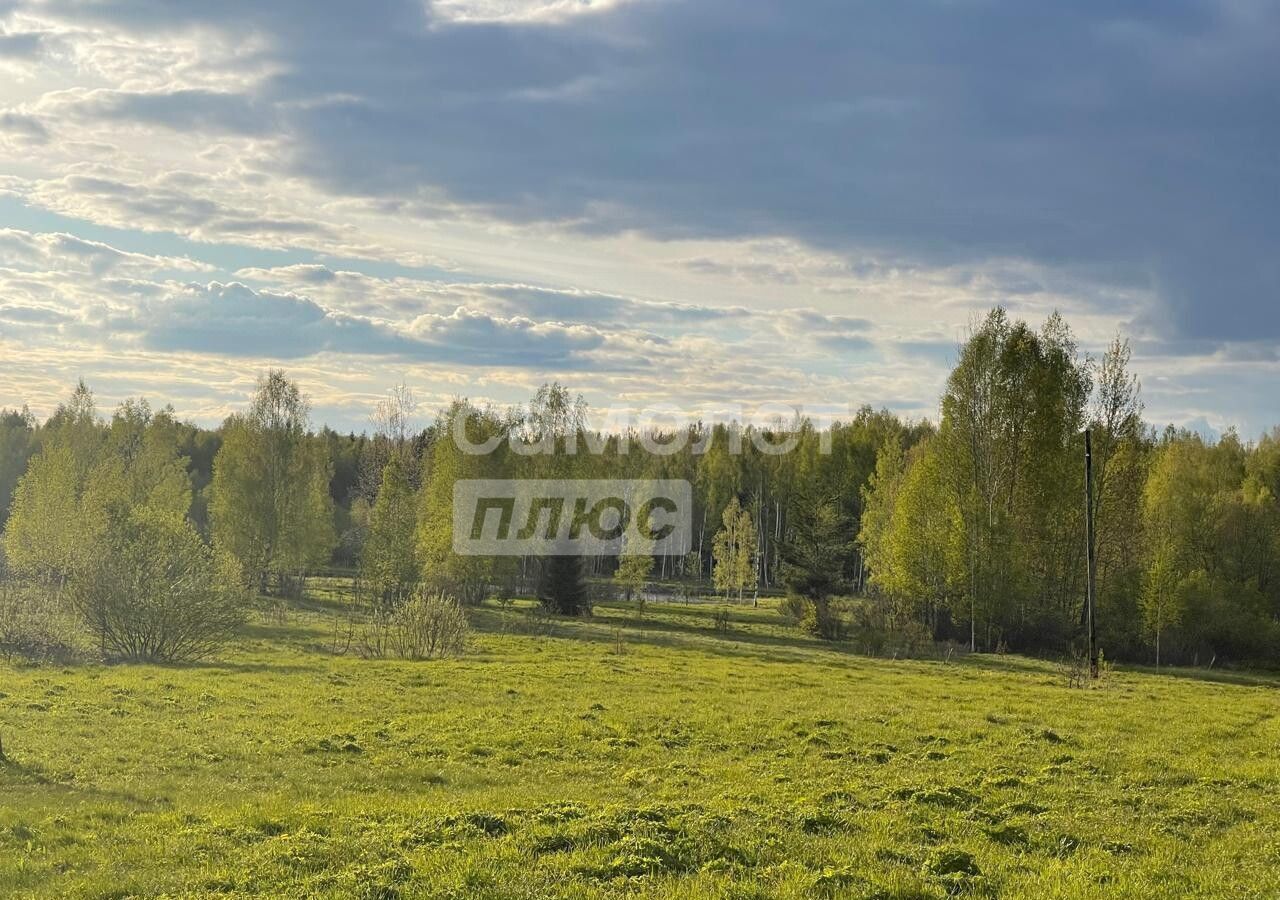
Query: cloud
[235, 320]
[32, 315]
[71, 304]
[25, 127]
[517, 11]
[1129, 141]
[833, 333]
[607, 184]
[174, 203]
[59, 251]
[392, 296]
[21, 45]
[189, 109]
[301, 273]
[594, 306]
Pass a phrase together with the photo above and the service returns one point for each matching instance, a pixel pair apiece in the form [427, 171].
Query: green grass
[754, 763]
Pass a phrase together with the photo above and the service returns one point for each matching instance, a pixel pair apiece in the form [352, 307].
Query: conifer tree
[561, 588]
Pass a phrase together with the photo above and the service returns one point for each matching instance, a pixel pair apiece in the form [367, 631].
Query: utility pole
[1091, 591]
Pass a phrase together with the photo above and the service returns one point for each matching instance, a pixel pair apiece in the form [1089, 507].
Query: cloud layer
[621, 188]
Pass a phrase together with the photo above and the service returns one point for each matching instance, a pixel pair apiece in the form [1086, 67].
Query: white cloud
[692, 201]
[518, 11]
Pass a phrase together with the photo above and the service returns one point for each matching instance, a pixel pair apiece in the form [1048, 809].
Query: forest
[137, 535]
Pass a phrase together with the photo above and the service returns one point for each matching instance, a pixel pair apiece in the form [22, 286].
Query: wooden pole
[1091, 590]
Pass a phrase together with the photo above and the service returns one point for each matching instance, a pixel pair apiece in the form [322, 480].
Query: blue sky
[720, 205]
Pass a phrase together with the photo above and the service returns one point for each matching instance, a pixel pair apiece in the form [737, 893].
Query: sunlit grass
[616, 756]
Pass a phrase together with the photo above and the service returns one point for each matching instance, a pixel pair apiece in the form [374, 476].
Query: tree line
[969, 530]
[977, 530]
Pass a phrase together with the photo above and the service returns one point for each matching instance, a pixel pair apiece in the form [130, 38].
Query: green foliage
[102, 516]
[75, 426]
[270, 506]
[1010, 456]
[34, 626]
[815, 551]
[1209, 585]
[465, 577]
[633, 573]
[155, 591]
[734, 552]
[429, 626]
[47, 537]
[83, 482]
[389, 562]
[880, 501]
[980, 527]
[17, 443]
[561, 587]
[971, 531]
[812, 559]
[922, 552]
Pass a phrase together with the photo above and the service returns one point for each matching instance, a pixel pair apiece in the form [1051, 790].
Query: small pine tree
[561, 588]
[813, 561]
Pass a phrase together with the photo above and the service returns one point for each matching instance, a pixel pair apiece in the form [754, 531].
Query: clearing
[610, 757]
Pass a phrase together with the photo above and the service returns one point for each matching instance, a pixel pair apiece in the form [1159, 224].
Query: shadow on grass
[243, 668]
[14, 772]
[755, 632]
[1259, 678]
[658, 630]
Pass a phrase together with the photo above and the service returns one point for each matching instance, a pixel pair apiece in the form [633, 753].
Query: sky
[725, 208]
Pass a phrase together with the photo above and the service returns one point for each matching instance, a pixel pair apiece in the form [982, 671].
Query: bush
[429, 626]
[792, 609]
[154, 591]
[33, 627]
[822, 620]
[880, 629]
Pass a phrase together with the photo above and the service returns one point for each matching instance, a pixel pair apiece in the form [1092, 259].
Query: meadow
[682, 755]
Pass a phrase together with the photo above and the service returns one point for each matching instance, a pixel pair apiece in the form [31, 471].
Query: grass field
[614, 758]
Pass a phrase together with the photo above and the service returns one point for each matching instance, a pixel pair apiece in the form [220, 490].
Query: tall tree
[270, 506]
[47, 537]
[52, 531]
[879, 501]
[561, 587]
[17, 443]
[814, 556]
[734, 551]
[922, 560]
[393, 433]
[1012, 415]
[389, 560]
[470, 444]
[75, 425]
[1120, 459]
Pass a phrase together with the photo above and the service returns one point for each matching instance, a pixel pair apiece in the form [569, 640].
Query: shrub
[793, 608]
[375, 633]
[33, 626]
[880, 628]
[429, 626]
[720, 620]
[822, 620]
[155, 591]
